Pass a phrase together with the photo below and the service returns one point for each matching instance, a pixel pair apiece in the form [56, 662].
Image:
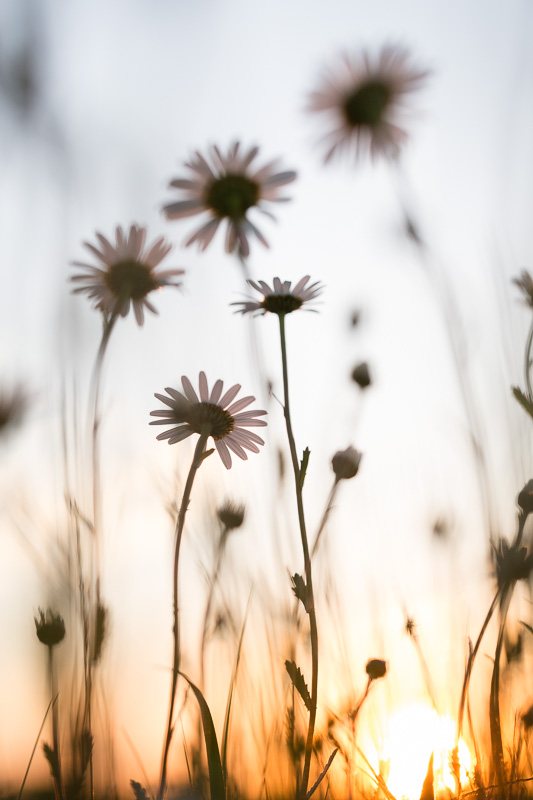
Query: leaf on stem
[524, 401]
[138, 791]
[299, 587]
[298, 681]
[303, 466]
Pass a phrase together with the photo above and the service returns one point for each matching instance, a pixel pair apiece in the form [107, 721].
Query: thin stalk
[470, 664]
[495, 722]
[213, 580]
[180, 522]
[325, 516]
[425, 670]
[307, 563]
[527, 362]
[96, 379]
[209, 603]
[25, 778]
[58, 783]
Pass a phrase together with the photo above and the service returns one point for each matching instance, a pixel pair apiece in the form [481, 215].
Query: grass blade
[24, 779]
[227, 715]
[217, 783]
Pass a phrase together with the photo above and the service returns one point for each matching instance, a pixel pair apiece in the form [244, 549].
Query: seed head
[361, 375]
[50, 627]
[525, 498]
[376, 668]
[345, 463]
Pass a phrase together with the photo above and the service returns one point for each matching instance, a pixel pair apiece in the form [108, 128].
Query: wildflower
[345, 463]
[525, 498]
[13, 405]
[126, 274]
[376, 668]
[227, 187]
[280, 299]
[231, 515]
[363, 97]
[513, 563]
[525, 284]
[361, 375]
[50, 627]
[213, 414]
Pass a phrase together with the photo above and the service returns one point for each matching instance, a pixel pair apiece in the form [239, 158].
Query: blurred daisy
[227, 187]
[280, 299]
[126, 272]
[363, 99]
[213, 414]
[13, 406]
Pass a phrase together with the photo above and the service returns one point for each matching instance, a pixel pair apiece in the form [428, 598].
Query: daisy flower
[227, 186]
[363, 99]
[126, 272]
[210, 413]
[280, 299]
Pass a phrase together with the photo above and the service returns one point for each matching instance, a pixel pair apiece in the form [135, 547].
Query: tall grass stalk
[198, 457]
[310, 606]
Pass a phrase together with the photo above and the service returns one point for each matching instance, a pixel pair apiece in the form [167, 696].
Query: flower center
[209, 418]
[130, 279]
[365, 106]
[281, 303]
[232, 195]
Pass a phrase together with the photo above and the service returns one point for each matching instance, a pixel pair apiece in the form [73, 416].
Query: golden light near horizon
[413, 734]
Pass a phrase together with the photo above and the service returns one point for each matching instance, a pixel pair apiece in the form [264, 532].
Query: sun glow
[413, 734]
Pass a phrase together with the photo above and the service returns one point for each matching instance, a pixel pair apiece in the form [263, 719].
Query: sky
[126, 91]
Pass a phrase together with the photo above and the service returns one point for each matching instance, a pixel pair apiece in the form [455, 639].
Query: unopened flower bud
[376, 668]
[345, 463]
[50, 627]
[525, 498]
[231, 515]
[361, 375]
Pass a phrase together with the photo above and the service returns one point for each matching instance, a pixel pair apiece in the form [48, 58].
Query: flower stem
[180, 522]
[96, 379]
[307, 563]
[58, 782]
[470, 664]
[498, 763]
[527, 362]
[325, 516]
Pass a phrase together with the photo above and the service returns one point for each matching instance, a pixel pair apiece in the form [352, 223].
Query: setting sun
[414, 733]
